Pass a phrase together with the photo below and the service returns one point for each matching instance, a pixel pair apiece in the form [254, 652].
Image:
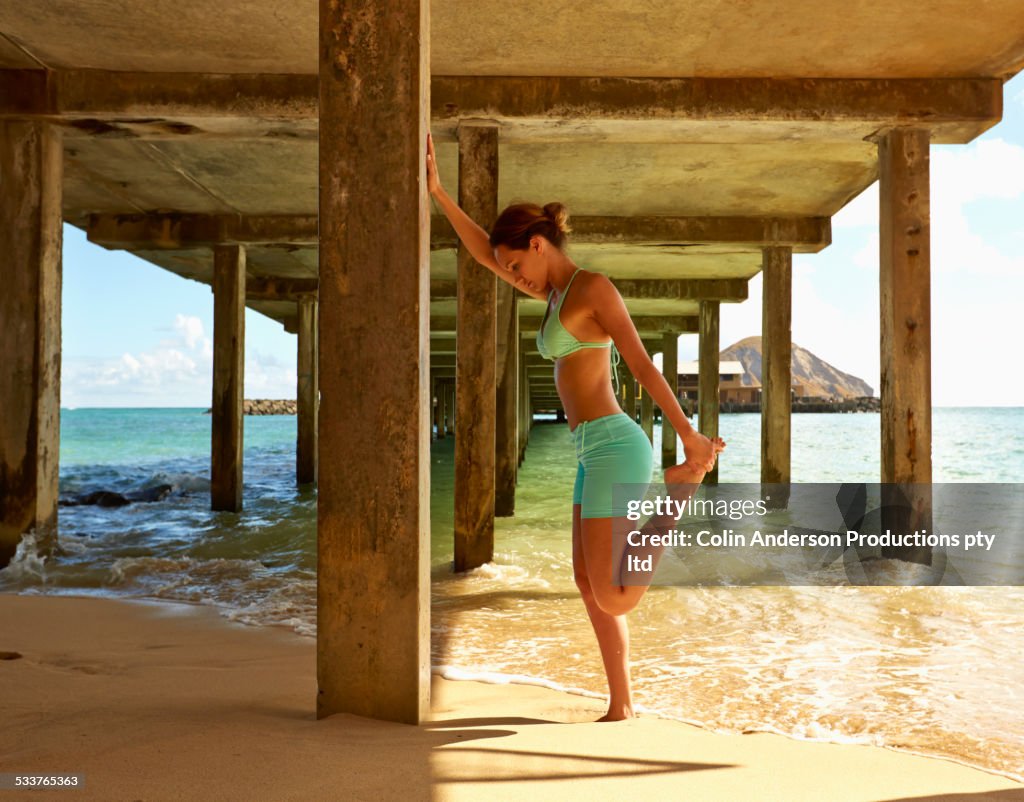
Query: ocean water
[932, 670]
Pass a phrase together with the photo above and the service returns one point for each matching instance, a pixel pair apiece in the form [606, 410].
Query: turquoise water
[928, 669]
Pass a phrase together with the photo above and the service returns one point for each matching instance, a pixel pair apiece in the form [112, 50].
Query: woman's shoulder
[594, 282]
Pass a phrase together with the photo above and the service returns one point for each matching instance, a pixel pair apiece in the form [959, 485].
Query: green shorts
[612, 451]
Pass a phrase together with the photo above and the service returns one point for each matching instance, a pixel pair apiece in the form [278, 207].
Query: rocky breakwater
[266, 406]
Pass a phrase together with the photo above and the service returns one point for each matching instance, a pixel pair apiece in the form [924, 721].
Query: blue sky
[137, 335]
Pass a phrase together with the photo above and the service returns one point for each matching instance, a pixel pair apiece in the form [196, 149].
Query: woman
[525, 248]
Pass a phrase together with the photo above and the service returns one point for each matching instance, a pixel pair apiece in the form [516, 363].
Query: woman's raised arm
[476, 240]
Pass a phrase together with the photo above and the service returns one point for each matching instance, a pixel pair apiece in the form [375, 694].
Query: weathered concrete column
[708, 383]
[906, 351]
[436, 408]
[506, 399]
[630, 387]
[442, 409]
[776, 363]
[905, 291]
[373, 515]
[525, 405]
[307, 392]
[670, 370]
[450, 406]
[228, 377]
[647, 414]
[31, 237]
[475, 355]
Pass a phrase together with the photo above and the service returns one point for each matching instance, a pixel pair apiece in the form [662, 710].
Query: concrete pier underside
[685, 138]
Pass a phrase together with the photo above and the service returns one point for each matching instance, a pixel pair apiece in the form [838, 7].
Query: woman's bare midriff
[584, 383]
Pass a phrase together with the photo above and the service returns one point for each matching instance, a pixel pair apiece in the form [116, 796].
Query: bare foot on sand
[618, 715]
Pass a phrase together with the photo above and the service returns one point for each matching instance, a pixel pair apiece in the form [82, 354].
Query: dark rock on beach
[108, 498]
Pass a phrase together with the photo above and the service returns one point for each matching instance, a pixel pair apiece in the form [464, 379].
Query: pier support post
[776, 364]
[450, 406]
[506, 398]
[373, 510]
[307, 393]
[670, 370]
[475, 354]
[227, 425]
[442, 409]
[31, 237]
[630, 387]
[436, 408]
[523, 407]
[708, 383]
[647, 414]
[905, 307]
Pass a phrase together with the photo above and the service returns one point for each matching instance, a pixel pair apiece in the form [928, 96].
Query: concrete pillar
[906, 351]
[31, 237]
[670, 370]
[436, 408]
[708, 376]
[506, 399]
[905, 290]
[228, 377]
[475, 355]
[450, 407]
[307, 393]
[629, 384]
[373, 510]
[776, 364]
[442, 409]
[525, 404]
[647, 414]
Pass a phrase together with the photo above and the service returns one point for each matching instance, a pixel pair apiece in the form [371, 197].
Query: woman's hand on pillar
[433, 180]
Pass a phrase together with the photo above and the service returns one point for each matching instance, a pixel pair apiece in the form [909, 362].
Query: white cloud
[176, 372]
[861, 211]
[190, 328]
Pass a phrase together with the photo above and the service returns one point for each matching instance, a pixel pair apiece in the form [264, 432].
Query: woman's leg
[607, 554]
[612, 634]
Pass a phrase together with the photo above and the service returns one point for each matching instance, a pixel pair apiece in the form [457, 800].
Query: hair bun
[559, 215]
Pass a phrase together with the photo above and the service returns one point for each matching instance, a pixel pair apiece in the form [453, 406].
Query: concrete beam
[267, 288]
[106, 94]
[153, 232]
[803, 233]
[528, 324]
[156, 231]
[729, 290]
[98, 97]
[926, 101]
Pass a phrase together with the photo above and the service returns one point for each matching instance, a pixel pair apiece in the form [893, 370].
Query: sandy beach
[154, 701]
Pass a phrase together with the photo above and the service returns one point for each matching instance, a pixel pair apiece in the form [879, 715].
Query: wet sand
[154, 701]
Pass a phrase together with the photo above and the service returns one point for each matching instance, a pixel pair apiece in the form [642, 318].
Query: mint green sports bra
[555, 341]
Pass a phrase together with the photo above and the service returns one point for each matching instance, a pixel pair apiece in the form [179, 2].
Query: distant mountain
[818, 377]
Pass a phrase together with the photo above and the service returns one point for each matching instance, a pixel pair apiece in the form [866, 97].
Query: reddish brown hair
[520, 221]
